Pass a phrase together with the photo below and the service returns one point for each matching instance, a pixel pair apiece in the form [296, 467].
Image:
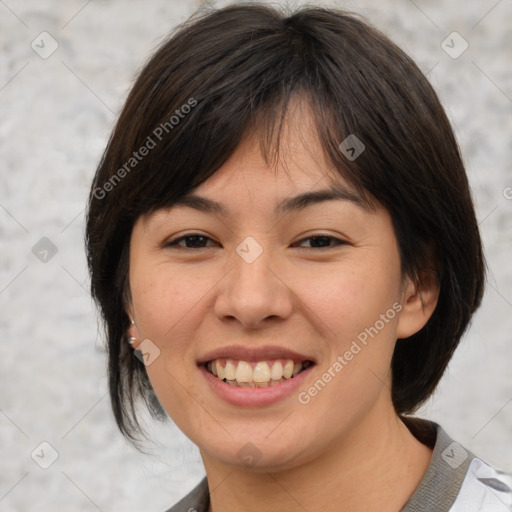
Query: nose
[254, 293]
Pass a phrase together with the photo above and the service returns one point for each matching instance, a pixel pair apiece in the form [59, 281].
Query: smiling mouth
[260, 374]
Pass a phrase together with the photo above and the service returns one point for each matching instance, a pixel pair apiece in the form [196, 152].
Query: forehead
[290, 153]
[295, 163]
[247, 183]
[296, 175]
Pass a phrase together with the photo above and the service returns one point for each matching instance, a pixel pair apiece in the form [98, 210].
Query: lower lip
[255, 397]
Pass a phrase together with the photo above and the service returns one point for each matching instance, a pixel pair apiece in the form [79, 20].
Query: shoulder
[197, 500]
[456, 480]
[484, 489]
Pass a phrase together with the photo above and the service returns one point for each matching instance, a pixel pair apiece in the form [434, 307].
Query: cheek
[168, 304]
[356, 310]
[165, 298]
[349, 297]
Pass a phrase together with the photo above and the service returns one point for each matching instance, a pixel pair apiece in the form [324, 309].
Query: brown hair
[232, 71]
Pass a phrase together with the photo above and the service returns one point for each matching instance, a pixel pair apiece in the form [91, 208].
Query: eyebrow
[295, 203]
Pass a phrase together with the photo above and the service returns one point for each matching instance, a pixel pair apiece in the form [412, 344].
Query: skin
[346, 450]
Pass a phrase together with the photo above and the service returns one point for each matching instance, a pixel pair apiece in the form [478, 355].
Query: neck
[376, 466]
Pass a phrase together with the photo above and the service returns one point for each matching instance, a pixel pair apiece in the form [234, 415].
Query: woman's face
[256, 280]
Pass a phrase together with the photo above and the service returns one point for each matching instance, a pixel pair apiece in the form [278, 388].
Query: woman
[283, 245]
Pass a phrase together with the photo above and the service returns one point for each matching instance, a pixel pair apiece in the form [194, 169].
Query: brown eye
[321, 242]
[193, 241]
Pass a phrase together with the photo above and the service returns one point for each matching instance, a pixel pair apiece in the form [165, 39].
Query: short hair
[231, 72]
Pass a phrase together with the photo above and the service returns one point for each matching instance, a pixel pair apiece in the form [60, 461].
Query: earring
[132, 339]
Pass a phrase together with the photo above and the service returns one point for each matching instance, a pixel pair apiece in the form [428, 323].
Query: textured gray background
[55, 117]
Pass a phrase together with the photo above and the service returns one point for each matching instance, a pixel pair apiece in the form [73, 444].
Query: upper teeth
[254, 372]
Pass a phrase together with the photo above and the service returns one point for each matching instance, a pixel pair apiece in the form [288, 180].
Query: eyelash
[175, 242]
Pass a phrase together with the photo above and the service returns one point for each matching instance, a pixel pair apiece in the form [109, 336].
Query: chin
[257, 449]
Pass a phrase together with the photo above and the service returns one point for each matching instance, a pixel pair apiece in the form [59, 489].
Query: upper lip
[254, 354]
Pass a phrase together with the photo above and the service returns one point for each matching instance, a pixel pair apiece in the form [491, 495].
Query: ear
[419, 300]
